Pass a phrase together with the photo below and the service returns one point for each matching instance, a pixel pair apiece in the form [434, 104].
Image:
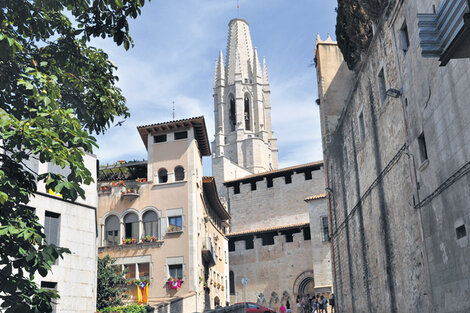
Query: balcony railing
[446, 34]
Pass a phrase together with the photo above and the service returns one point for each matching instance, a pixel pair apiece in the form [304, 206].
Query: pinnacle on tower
[265, 74]
[219, 76]
[256, 66]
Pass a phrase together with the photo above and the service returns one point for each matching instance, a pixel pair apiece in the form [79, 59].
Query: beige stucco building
[171, 217]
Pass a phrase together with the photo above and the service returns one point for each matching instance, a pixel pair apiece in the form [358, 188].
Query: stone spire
[242, 110]
[219, 76]
[239, 42]
[265, 74]
[256, 66]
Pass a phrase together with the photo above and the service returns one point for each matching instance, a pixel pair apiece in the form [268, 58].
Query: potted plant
[171, 228]
[128, 241]
[205, 283]
[153, 239]
[134, 240]
[124, 241]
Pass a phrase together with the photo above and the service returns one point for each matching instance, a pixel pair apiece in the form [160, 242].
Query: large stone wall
[271, 270]
[397, 216]
[278, 205]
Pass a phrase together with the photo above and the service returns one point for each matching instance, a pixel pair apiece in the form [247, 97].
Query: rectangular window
[382, 85]
[325, 228]
[308, 175]
[52, 286]
[176, 270]
[175, 223]
[159, 138]
[52, 227]
[130, 271]
[362, 127]
[423, 151]
[181, 135]
[236, 189]
[144, 270]
[405, 40]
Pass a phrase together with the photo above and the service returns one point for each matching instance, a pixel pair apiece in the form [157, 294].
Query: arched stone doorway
[216, 302]
[304, 284]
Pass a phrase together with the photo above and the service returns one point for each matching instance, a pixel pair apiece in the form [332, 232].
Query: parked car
[252, 307]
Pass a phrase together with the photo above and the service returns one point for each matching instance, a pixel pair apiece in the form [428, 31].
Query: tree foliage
[110, 284]
[354, 26]
[55, 90]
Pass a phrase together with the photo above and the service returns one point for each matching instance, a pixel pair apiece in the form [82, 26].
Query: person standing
[288, 310]
[282, 308]
[332, 302]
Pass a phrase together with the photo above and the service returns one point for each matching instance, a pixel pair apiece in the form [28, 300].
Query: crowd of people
[307, 304]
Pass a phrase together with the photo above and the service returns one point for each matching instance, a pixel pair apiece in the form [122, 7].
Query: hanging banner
[143, 292]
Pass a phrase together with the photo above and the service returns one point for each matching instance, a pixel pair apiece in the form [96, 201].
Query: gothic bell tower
[244, 142]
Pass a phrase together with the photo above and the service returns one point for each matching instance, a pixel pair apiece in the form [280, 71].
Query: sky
[176, 46]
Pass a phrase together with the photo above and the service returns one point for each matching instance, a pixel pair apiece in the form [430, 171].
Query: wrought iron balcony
[446, 34]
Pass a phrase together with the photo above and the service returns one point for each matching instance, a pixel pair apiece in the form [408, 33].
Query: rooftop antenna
[173, 110]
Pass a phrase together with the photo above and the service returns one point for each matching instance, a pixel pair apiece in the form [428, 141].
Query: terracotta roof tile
[320, 196]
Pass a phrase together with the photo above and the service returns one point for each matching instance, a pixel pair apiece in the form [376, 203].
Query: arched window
[247, 113]
[150, 220]
[131, 226]
[232, 283]
[232, 117]
[162, 176]
[112, 230]
[179, 173]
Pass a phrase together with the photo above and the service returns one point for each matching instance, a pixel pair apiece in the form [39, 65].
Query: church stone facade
[270, 239]
[396, 138]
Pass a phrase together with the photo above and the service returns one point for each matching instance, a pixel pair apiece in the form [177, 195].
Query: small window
[52, 286]
[461, 231]
[112, 226]
[130, 271]
[162, 176]
[232, 114]
[232, 282]
[176, 270]
[308, 175]
[382, 85]
[405, 40]
[181, 135]
[175, 224]
[179, 173]
[247, 113]
[325, 228]
[131, 226]
[423, 151]
[144, 270]
[52, 228]
[267, 239]
[159, 138]
[362, 127]
[150, 220]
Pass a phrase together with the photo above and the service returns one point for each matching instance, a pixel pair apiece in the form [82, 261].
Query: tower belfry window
[247, 113]
[232, 117]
